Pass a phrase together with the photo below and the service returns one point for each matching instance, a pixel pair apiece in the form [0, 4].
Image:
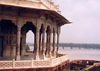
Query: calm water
[76, 53]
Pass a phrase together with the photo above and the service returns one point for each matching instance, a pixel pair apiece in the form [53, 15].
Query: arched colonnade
[39, 27]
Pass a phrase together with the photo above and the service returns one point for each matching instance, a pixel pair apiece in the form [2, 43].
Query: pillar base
[43, 56]
[57, 54]
[49, 56]
[36, 57]
[17, 57]
[40, 52]
[53, 54]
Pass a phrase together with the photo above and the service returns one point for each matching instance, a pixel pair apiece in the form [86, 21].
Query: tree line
[97, 46]
[81, 45]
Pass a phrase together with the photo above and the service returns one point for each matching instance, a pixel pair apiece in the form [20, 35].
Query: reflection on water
[76, 53]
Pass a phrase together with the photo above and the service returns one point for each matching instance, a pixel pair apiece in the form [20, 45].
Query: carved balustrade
[32, 63]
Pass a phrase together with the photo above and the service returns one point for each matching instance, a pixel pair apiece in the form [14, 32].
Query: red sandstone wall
[78, 64]
[95, 67]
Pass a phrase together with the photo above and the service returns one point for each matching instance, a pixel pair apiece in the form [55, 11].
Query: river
[76, 53]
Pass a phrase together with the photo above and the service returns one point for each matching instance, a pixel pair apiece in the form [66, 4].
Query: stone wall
[94, 67]
[80, 64]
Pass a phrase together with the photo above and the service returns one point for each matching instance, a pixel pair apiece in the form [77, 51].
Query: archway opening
[30, 39]
[28, 36]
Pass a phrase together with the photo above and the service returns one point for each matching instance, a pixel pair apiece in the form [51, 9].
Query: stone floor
[27, 56]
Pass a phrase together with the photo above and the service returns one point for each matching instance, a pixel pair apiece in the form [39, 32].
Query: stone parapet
[39, 4]
[32, 63]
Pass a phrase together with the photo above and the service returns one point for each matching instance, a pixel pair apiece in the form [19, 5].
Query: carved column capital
[18, 28]
[19, 22]
[58, 30]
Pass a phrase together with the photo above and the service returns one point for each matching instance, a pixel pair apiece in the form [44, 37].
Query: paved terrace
[28, 62]
[27, 56]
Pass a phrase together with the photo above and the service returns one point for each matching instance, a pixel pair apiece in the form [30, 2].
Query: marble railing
[31, 63]
[59, 60]
[50, 5]
[47, 4]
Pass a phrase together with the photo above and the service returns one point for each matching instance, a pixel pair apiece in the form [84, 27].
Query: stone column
[49, 45]
[43, 45]
[40, 43]
[36, 57]
[34, 43]
[18, 43]
[54, 54]
[57, 43]
[23, 51]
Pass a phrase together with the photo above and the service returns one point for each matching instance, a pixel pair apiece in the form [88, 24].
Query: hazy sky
[85, 15]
